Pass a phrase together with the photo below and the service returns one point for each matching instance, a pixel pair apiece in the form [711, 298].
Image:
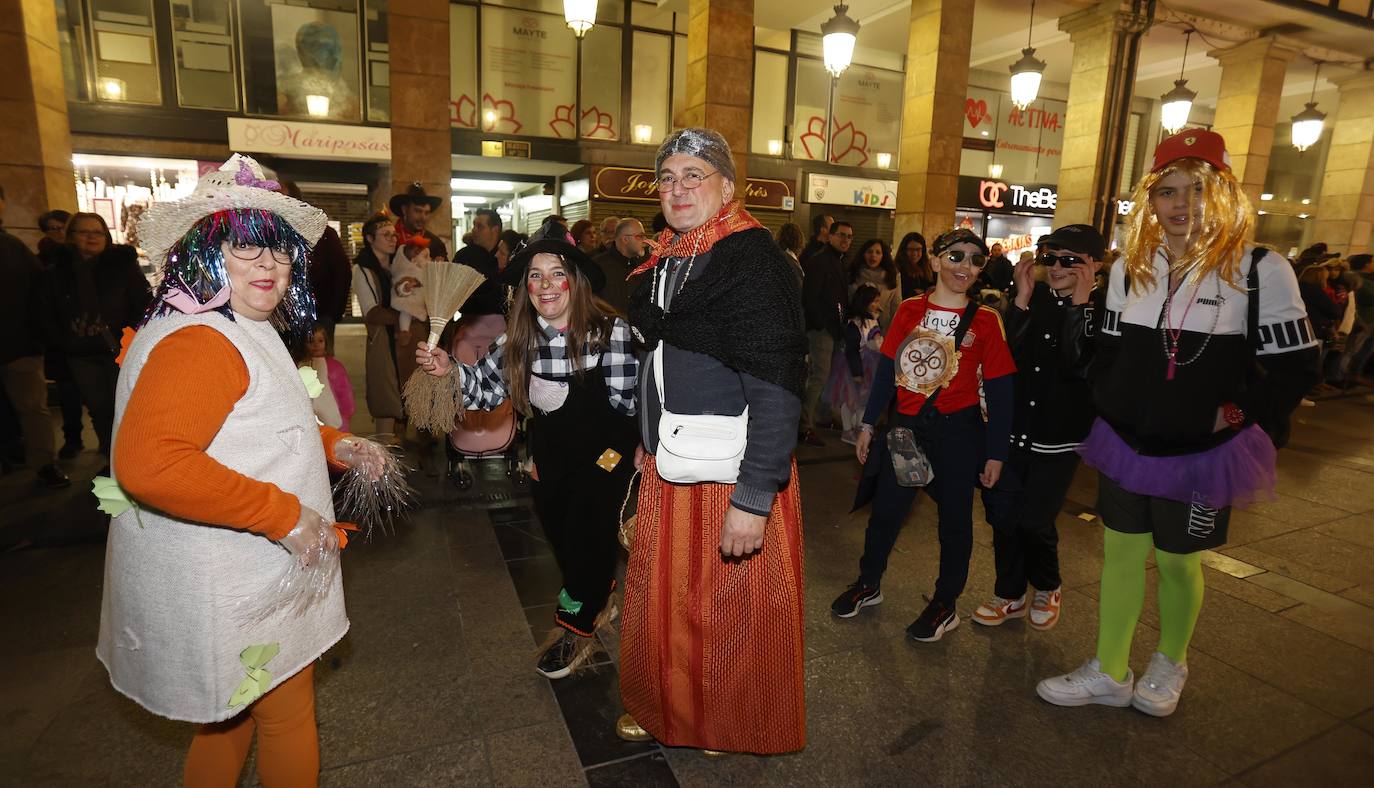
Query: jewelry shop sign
[841, 190]
[310, 140]
[636, 184]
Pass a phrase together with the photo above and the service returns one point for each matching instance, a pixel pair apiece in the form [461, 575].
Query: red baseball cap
[1192, 144]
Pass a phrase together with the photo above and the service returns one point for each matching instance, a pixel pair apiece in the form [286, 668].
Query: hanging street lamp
[1177, 104]
[1308, 124]
[1026, 72]
[837, 41]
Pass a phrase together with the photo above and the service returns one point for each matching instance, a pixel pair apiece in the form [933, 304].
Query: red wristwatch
[1233, 415]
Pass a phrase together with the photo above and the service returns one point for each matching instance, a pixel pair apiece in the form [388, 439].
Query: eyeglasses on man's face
[690, 180]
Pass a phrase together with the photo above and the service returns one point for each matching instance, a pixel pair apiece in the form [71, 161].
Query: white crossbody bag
[696, 448]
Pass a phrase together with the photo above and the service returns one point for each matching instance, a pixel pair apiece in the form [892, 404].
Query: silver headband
[705, 144]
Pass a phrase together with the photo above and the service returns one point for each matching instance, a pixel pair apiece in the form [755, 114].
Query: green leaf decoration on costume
[113, 500]
[566, 602]
[311, 379]
[257, 678]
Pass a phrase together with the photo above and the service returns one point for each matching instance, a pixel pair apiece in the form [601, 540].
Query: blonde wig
[1216, 235]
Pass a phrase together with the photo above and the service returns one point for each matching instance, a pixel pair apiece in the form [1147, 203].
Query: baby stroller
[477, 434]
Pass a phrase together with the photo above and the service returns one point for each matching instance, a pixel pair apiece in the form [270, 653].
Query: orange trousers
[288, 743]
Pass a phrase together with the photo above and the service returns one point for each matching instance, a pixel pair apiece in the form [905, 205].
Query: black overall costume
[577, 500]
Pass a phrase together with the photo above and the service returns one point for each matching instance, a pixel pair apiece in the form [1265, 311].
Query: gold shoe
[629, 730]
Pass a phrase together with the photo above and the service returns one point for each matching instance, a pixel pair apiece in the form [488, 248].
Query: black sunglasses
[956, 256]
[1050, 258]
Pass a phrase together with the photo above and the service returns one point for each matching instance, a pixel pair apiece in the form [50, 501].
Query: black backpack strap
[1252, 284]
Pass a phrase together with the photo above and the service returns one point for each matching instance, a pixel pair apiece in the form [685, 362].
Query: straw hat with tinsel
[238, 183]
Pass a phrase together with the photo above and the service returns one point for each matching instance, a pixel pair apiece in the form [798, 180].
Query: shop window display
[125, 48]
[867, 120]
[302, 60]
[204, 46]
[649, 80]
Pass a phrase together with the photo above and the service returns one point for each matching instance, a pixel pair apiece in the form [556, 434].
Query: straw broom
[432, 403]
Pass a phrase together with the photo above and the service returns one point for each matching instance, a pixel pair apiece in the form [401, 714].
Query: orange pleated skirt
[711, 648]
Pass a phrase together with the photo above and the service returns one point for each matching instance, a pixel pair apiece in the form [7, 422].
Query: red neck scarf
[405, 236]
[731, 218]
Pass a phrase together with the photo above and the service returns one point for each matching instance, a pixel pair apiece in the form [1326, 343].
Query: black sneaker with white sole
[857, 596]
[937, 619]
[557, 661]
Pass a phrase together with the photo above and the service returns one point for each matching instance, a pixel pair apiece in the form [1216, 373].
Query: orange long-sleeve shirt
[159, 458]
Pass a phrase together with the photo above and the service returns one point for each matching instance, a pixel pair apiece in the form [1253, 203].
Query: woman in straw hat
[222, 582]
[567, 364]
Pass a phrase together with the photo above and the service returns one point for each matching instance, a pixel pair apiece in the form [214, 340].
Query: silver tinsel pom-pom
[375, 503]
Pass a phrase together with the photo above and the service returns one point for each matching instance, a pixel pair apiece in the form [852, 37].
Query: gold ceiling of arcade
[1000, 33]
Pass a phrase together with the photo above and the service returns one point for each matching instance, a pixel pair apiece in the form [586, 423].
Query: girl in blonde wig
[1204, 351]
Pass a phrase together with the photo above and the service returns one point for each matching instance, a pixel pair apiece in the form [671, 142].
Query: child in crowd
[321, 349]
[407, 292]
[939, 346]
[851, 380]
[314, 372]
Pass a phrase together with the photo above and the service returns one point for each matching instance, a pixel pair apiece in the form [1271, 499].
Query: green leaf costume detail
[257, 679]
[567, 603]
[113, 500]
[311, 379]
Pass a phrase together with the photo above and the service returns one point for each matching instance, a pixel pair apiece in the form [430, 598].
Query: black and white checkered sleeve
[484, 385]
[621, 368]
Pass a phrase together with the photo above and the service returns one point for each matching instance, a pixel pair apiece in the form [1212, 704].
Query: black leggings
[580, 513]
[956, 454]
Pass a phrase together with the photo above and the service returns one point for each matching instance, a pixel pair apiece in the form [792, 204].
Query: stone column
[1345, 210]
[720, 73]
[1106, 44]
[421, 148]
[1248, 105]
[36, 157]
[937, 51]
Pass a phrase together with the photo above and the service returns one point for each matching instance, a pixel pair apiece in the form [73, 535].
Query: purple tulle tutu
[1236, 473]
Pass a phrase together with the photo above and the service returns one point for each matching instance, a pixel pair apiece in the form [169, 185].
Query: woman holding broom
[568, 365]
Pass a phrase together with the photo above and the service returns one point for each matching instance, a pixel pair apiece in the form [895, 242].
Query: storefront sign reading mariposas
[310, 140]
[840, 190]
[628, 183]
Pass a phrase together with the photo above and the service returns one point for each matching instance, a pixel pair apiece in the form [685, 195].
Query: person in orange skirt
[711, 648]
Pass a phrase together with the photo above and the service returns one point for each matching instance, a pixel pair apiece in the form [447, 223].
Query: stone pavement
[434, 684]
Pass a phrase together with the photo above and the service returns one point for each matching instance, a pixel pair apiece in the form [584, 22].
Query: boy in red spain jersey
[939, 349]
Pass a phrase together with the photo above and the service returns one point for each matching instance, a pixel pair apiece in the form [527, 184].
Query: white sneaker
[1087, 685]
[1044, 611]
[997, 610]
[1159, 688]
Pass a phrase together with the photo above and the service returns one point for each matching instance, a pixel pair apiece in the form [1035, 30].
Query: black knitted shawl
[744, 310]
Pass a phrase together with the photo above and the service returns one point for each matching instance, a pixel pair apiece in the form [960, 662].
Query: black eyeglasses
[975, 261]
[1050, 258]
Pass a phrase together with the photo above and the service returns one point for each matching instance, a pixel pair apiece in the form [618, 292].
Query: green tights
[1123, 595]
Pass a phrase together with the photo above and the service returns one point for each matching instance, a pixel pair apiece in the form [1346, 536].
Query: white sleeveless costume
[169, 636]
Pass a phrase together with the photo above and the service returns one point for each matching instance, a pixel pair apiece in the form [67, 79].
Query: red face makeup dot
[564, 285]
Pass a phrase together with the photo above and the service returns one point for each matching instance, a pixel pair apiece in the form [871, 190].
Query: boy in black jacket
[1050, 328]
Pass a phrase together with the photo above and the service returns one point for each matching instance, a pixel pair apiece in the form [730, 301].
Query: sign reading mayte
[310, 140]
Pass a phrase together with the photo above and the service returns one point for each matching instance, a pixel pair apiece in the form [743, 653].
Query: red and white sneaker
[997, 610]
[1044, 612]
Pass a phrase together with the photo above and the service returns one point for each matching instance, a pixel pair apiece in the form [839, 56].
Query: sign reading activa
[999, 196]
[840, 190]
[310, 140]
[629, 183]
